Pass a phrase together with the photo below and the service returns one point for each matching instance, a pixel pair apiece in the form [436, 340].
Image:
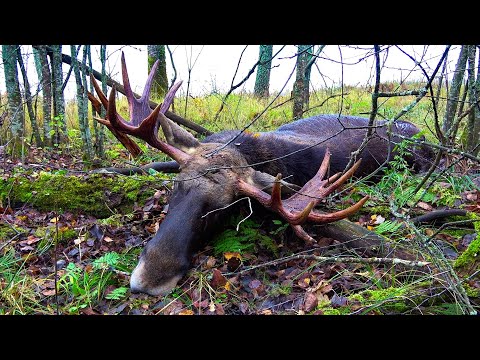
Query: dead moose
[225, 166]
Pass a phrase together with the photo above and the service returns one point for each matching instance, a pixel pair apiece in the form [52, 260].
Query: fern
[117, 293]
[245, 239]
[387, 227]
[107, 260]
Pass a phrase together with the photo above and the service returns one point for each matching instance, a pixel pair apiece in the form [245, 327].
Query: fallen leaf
[338, 301]
[186, 312]
[107, 239]
[266, 312]
[211, 307]
[211, 262]
[233, 263]
[310, 302]
[54, 220]
[377, 219]
[424, 206]
[254, 284]
[229, 255]
[89, 311]
[49, 292]
[218, 280]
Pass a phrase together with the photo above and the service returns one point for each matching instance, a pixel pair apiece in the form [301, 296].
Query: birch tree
[448, 125]
[160, 81]
[262, 80]
[45, 79]
[82, 104]
[59, 128]
[28, 99]
[301, 85]
[14, 98]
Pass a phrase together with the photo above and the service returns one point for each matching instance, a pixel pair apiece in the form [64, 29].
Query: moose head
[211, 177]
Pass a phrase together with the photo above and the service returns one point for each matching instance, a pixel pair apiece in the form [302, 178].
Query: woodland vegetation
[70, 236]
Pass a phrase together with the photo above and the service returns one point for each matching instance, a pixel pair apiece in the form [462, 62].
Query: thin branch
[334, 259]
[173, 65]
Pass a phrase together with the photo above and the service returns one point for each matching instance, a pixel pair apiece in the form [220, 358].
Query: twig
[326, 259]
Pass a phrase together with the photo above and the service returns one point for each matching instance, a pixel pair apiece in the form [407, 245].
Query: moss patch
[468, 261]
[93, 194]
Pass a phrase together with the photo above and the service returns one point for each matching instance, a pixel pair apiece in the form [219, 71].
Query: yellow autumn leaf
[229, 255]
[54, 220]
[186, 312]
[370, 227]
[228, 286]
[22, 217]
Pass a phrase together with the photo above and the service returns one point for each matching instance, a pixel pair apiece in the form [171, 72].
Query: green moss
[390, 298]
[468, 260]
[95, 194]
[7, 231]
[344, 310]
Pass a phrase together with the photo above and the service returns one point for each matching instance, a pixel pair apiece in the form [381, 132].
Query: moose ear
[177, 136]
[265, 182]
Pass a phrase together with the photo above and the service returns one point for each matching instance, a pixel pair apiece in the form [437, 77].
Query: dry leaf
[186, 312]
[107, 239]
[49, 292]
[211, 262]
[54, 220]
[229, 255]
[310, 301]
[424, 206]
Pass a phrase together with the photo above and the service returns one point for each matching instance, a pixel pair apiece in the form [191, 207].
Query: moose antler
[143, 122]
[297, 209]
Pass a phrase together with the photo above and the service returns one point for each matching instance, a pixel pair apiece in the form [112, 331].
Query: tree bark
[262, 81]
[59, 123]
[453, 95]
[160, 81]
[28, 100]
[472, 125]
[45, 78]
[14, 98]
[82, 104]
[301, 85]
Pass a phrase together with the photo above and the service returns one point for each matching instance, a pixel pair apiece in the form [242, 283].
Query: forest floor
[69, 262]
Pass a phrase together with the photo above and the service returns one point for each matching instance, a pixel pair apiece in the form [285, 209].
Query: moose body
[212, 174]
[296, 150]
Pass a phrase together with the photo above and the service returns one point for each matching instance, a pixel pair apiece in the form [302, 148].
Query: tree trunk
[160, 81]
[454, 94]
[301, 85]
[472, 125]
[99, 130]
[28, 100]
[44, 77]
[14, 99]
[59, 123]
[82, 104]
[262, 81]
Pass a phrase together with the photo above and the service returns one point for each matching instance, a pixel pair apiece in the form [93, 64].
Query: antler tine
[147, 130]
[297, 209]
[338, 215]
[126, 80]
[342, 179]
[148, 84]
[99, 91]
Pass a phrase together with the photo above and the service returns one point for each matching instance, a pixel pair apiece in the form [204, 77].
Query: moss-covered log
[93, 194]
